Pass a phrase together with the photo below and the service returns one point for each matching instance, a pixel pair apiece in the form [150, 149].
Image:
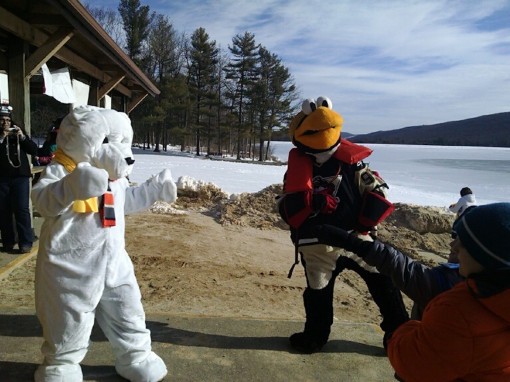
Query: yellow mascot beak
[319, 130]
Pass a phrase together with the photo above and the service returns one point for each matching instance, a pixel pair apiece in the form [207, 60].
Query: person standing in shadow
[15, 174]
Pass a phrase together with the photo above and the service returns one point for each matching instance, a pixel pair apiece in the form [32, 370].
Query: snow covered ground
[422, 175]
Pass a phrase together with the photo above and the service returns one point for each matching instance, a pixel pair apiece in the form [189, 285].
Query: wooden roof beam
[34, 36]
[47, 50]
[135, 101]
[15, 25]
[84, 22]
[106, 88]
[43, 19]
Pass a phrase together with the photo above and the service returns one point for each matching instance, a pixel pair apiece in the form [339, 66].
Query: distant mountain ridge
[491, 130]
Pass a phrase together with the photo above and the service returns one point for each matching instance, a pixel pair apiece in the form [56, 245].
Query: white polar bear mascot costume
[83, 270]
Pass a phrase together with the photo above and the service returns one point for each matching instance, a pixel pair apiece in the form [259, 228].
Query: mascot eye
[324, 101]
[308, 106]
[105, 140]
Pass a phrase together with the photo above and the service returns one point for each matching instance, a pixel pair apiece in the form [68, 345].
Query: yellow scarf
[79, 206]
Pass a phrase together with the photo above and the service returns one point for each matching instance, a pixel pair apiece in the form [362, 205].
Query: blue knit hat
[485, 232]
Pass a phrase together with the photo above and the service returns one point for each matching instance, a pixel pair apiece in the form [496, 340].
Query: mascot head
[101, 137]
[316, 128]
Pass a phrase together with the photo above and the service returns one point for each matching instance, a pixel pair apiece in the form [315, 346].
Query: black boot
[389, 300]
[319, 318]
[385, 294]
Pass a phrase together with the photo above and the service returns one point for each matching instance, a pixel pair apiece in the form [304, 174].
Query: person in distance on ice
[467, 199]
[327, 182]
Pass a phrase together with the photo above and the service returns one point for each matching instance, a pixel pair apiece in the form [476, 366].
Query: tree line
[212, 102]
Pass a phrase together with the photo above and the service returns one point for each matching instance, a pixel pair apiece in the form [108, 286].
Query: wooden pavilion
[62, 33]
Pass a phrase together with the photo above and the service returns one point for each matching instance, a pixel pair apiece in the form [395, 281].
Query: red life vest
[299, 176]
[300, 165]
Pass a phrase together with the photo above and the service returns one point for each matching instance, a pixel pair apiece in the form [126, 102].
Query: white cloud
[388, 64]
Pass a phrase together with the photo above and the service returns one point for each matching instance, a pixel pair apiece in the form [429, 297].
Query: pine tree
[203, 58]
[274, 94]
[136, 21]
[242, 71]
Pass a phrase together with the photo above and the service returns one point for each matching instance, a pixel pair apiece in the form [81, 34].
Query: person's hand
[331, 235]
[21, 136]
[18, 132]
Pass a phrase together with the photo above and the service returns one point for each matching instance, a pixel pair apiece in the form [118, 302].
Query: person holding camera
[15, 174]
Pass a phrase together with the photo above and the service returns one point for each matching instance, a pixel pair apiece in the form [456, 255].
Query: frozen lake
[434, 175]
[423, 175]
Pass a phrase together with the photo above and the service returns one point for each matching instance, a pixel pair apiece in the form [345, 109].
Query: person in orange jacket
[464, 334]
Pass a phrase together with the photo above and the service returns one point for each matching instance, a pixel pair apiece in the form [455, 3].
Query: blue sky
[384, 64]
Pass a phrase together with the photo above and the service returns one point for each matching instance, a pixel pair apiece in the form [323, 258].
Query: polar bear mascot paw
[164, 187]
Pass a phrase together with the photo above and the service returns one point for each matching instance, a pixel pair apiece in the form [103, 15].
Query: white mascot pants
[119, 313]
[84, 273]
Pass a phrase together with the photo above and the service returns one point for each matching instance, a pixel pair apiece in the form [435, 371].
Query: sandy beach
[207, 255]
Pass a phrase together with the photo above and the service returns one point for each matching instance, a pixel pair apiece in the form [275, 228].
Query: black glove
[331, 235]
[340, 238]
[324, 203]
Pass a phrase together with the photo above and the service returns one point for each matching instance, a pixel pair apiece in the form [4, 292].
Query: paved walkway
[205, 348]
[10, 261]
[212, 349]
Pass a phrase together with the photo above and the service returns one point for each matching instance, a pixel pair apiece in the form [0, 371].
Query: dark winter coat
[418, 281]
[11, 164]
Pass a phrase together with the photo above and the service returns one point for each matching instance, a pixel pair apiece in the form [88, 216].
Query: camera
[12, 131]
